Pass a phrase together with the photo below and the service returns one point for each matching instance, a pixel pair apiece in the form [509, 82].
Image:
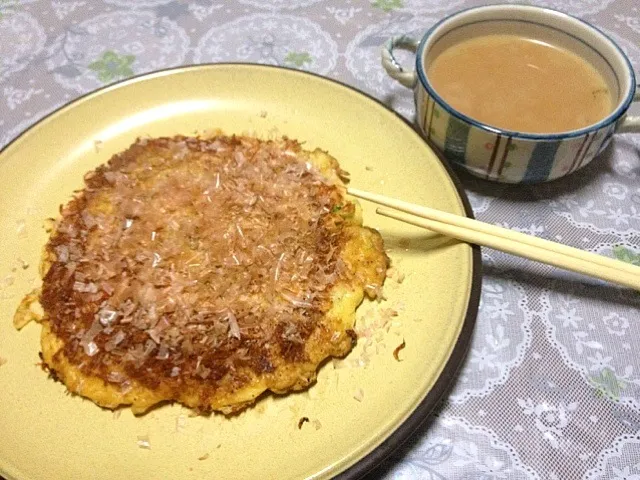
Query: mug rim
[605, 122]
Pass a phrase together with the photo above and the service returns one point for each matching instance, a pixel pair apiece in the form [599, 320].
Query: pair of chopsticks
[503, 239]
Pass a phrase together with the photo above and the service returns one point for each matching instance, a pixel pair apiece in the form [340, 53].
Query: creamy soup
[521, 84]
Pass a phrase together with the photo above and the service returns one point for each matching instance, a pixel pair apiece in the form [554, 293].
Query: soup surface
[522, 84]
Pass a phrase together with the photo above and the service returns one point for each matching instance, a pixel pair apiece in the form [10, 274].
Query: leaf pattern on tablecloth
[417, 6]
[283, 40]
[113, 46]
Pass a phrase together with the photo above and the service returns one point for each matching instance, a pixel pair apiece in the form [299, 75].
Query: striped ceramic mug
[512, 156]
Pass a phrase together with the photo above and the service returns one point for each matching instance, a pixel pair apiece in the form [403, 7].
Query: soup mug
[504, 155]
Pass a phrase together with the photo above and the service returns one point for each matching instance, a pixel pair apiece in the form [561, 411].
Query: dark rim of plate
[446, 378]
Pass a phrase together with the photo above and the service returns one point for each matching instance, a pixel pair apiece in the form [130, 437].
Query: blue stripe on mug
[581, 161]
[503, 160]
[429, 125]
[541, 162]
[492, 159]
[425, 127]
[455, 143]
[606, 139]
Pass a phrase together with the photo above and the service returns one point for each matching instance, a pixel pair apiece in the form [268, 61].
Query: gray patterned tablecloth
[551, 387]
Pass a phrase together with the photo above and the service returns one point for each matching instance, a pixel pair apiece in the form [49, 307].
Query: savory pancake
[204, 271]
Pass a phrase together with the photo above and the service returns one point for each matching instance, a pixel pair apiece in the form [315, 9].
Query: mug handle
[391, 65]
[630, 124]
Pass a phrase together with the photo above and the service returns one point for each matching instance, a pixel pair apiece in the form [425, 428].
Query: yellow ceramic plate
[360, 409]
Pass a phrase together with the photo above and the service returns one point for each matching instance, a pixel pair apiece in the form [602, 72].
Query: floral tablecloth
[551, 387]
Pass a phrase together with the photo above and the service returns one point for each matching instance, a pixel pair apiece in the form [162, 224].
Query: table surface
[551, 386]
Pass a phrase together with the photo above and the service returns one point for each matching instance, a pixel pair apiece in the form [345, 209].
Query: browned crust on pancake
[275, 276]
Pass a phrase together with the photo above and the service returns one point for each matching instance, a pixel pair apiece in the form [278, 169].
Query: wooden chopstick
[503, 239]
